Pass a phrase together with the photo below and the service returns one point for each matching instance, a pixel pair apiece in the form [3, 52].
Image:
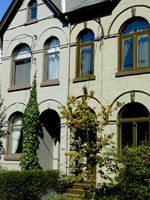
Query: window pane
[34, 4]
[134, 110]
[52, 66]
[143, 50]
[53, 46]
[23, 52]
[135, 26]
[126, 134]
[33, 13]
[17, 120]
[15, 139]
[22, 72]
[142, 129]
[86, 60]
[87, 37]
[16, 134]
[128, 53]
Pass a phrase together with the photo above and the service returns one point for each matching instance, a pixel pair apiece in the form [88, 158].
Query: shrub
[133, 181]
[27, 184]
[134, 176]
[65, 182]
[106, 192]
[51, 195]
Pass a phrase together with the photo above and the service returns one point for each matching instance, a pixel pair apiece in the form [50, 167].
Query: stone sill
[84, 78]
[19, 87]
[31, 22]
[50, 83]
[12, 157]
[132, 72]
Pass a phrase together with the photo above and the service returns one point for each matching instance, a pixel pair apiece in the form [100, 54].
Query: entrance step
[79, 188]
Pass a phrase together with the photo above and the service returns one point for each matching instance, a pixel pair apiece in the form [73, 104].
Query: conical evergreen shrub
[30, 128]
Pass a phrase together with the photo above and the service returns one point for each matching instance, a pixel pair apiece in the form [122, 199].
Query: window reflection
[85, 54]
[134, 52]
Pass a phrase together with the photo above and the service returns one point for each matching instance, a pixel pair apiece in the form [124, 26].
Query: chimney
[63, 5]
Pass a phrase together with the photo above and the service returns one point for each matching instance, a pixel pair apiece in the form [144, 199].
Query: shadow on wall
[50, 136]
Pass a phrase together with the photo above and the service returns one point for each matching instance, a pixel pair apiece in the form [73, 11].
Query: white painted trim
[63, 5]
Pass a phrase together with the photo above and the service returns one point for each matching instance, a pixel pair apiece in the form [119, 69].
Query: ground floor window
[133, 125]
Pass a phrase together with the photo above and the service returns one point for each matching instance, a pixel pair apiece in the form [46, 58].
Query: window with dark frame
[21, 66]
[51, 66]
[133, 125]
[85, 54]
[32, 11]
[134, 45]
[15, 137]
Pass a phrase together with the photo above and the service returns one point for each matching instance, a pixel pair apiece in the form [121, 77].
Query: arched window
[134, 125]
[85, 54]
[32, 10]
[15, 136]
[51, 67]
[21, 66]
[134, 45]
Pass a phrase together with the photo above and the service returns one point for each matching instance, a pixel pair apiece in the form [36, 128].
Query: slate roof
[72, 5]
[57, 4]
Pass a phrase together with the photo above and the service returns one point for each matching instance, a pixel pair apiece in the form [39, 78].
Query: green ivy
[3, 132]
[30, 128]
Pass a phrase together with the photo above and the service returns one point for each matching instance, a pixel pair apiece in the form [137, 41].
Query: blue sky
[4, 4]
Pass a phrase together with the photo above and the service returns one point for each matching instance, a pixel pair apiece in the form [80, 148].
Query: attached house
[35, 40]
[110, 54]
[103, 44]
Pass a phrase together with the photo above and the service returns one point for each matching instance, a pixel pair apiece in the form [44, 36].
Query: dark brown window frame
[11, 156]
[78, 58]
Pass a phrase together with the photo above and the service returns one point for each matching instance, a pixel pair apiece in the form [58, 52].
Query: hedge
[28, 185]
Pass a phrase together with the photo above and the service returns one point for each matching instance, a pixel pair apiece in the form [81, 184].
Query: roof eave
[56, 9]
[8, 15]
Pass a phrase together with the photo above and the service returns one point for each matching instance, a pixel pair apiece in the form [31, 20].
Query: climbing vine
[30, 128]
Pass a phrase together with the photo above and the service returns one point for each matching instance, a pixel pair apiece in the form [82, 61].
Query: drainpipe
[69, 52]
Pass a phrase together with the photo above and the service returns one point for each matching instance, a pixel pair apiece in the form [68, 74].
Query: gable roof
[9, 15]
[14, 7]
[61, 7]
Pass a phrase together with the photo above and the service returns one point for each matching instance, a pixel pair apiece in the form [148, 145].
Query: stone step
[73, 195]
[86, 182]
[81, 186]
[76, 191]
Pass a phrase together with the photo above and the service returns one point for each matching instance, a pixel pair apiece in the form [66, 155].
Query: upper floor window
[134, 45]
[21, 66]
[85, 54]
[134, 125]
[51, 67]
[32, 10]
